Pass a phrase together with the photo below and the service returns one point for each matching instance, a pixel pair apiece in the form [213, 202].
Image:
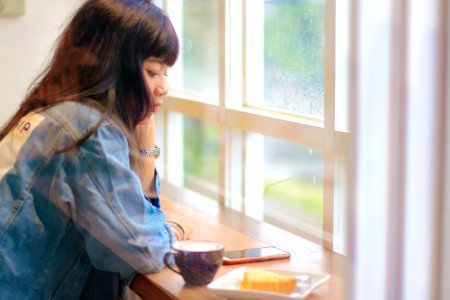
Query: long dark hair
[98, 60]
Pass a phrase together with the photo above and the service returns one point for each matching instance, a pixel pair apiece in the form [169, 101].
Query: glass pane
[201, 156]
[199, 58]
[293, 186]
[294, 44]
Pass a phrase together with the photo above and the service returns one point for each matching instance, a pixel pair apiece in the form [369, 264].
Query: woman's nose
[162, 87]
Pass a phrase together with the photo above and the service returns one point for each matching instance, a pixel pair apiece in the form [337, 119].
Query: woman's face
[155, 76]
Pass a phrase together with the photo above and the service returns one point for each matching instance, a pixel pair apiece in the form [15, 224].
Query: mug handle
[166, 262]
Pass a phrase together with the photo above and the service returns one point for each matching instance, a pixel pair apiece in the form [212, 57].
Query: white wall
[25, 46]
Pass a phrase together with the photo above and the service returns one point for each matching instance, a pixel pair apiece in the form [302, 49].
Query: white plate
[228, 285]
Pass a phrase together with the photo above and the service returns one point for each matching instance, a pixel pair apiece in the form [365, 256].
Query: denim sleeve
[123, 231]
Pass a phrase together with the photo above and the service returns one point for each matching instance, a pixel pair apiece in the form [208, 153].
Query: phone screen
[255, 252]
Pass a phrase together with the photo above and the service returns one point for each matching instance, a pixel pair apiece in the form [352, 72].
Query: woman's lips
[156, 107]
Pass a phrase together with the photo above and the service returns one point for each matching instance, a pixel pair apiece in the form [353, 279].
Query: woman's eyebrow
[154, 59]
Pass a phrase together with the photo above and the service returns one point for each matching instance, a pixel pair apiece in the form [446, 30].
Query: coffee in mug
[196, 261]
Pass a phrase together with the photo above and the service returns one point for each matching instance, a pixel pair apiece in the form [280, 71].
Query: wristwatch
[151, 152]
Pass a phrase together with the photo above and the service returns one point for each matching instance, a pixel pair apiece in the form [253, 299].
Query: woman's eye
[151, 73]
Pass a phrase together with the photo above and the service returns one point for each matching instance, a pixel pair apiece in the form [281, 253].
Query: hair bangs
[166, 46]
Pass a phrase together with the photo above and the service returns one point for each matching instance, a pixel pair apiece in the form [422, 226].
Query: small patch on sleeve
[16, 138]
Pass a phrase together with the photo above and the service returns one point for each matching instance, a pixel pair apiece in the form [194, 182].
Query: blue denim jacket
[63, 215]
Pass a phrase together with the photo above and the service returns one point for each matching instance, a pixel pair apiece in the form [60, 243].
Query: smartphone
[232, 257]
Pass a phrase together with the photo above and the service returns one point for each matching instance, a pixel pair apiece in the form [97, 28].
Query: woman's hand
[145, 139]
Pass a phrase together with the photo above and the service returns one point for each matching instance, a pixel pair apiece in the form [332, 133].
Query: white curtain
[399, 196]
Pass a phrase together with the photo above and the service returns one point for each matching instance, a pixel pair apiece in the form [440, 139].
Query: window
[250, 119]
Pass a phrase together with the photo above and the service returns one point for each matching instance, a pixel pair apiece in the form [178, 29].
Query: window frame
[229, 114]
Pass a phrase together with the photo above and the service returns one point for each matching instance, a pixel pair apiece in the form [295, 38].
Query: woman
[79, 207]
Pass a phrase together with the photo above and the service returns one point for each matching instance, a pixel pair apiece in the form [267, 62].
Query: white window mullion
[329, 130]
[234, 82]
[235, 194]
[223, 61]
[253, 11]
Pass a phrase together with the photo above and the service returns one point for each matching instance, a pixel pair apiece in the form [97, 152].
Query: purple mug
[196, 261]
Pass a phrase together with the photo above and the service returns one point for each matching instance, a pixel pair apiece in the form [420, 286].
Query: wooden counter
[236, 231]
